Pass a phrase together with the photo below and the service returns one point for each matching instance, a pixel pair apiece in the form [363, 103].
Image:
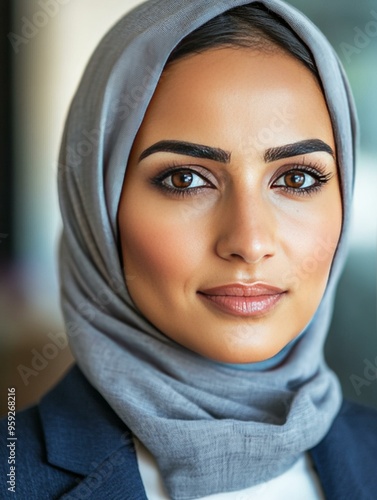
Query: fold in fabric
[211, 428]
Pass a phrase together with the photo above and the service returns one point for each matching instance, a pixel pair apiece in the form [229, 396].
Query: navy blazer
[73, 446]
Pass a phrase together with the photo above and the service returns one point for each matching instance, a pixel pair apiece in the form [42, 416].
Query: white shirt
[300, 482]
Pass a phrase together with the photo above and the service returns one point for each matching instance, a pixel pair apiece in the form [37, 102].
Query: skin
[242, 226]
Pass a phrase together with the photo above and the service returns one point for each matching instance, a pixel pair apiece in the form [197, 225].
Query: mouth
[243, 300]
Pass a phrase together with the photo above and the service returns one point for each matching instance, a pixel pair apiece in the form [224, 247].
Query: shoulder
[357, 424]
[71, 442]
[24, 459]
[346, 459]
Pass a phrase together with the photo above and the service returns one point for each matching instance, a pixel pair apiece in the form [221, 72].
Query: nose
[246, 228]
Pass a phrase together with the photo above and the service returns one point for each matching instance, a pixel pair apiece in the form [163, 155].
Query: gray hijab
[211, 428]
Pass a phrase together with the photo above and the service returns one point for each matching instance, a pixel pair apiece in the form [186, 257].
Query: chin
[241, 354]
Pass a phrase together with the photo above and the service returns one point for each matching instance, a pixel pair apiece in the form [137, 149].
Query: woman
[197, 284]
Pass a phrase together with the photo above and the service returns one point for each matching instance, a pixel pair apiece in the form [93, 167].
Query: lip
[237, 299]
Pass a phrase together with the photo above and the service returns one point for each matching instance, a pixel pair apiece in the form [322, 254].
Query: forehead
[232, 94]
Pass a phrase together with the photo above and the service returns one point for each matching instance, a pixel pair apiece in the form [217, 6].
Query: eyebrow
[297, 148]
[220, 155]
[188, 149]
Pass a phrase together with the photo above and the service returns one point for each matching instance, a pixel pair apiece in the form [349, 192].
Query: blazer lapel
[84, 435]
[117, 477]
[345, 460]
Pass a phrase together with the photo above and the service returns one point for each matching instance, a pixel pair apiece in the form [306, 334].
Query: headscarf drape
[210, 427]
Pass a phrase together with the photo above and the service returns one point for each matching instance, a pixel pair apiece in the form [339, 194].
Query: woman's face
[231, 210]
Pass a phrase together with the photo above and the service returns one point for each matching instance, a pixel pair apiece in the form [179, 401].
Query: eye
[296, 179]
[184, 179]
[302, 180]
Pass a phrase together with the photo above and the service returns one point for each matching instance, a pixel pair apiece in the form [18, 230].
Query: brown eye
[294, 179]
[181, 179]
[297, 180]
[184, 180]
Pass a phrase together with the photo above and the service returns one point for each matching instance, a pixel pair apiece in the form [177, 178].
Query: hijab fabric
[211, 428]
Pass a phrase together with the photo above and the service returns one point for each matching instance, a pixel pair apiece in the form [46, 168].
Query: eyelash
[176, 168]
[315, 170]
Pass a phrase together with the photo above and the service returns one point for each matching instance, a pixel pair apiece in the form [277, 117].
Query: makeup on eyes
[297, 172]
[304, 176]
[160, 180]
[232, 207]
[188, 179]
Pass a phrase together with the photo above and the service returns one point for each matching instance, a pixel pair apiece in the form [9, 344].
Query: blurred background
[44, 47]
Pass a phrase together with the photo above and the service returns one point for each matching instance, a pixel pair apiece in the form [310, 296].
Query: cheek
[312, 248]
[157, 246]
